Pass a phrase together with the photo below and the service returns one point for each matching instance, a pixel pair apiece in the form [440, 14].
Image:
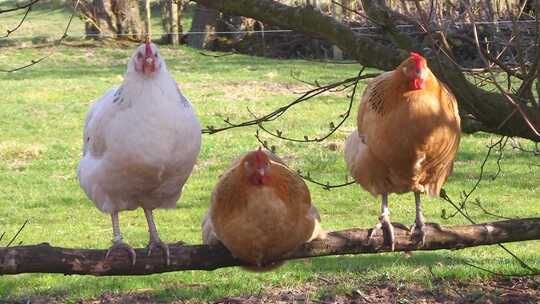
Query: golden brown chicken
[407, 137]
[260, 211]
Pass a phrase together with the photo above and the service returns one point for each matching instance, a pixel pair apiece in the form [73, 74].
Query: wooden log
[44, 258]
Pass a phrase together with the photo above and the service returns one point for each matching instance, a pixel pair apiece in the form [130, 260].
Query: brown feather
[407, 139]
[261, 223]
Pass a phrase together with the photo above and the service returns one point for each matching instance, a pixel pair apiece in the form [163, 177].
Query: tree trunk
[339, 12]
[165, 23]
[46, 259]
[203, 27]
[491, 110]
[169, 20]
[112, 18]
[179, 16]
[147, 19]
[173, 25]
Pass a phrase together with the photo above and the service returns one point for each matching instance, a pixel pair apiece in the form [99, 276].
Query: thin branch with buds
[325, 185]
[494, 81]
[282, 110]
[19, 7]
[516, 145]
[461, 207]
[58, 42]
[533, 271]
[333, 127]
[10, 31]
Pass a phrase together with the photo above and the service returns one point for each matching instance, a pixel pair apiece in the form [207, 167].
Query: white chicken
[140, 144]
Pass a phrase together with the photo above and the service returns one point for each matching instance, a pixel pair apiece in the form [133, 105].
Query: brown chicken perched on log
[407, 138]
[260, 211]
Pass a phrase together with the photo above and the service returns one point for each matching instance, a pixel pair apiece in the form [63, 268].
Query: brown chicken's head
[416, 70]
[147, 60]
[257, 165]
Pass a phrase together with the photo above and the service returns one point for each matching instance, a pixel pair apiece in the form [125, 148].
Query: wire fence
[277, 31]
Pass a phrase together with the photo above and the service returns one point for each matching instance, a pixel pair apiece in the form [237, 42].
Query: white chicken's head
[146, 61]
[257, 167]
[416, 71]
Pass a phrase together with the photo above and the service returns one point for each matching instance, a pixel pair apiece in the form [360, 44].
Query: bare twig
[16, 234]
[333, 129]
[533, 273]
[478, 204]
[9, 31]
[507, 96]
[216, 56]
[326, 186]
[281, 110]
[466, 195]
[19, 7]
[522, 263]
[32, 62]
[58, 42]
[517, 146]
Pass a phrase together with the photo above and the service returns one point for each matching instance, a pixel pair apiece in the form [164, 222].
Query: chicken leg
[384, 224]
[118, 242]
[419, 225]
[419, 228]
[155, 241]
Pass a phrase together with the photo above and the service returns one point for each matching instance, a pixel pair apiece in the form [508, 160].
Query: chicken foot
[118, 242]
[385, 226]
[419, 229]
[155, 241]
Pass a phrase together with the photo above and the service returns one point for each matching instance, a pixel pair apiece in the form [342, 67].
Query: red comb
[418, 59]
[148, 49]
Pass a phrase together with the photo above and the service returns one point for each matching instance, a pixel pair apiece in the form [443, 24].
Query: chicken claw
[387, 230]
[120, 245]
[419, 231]
[155, 244]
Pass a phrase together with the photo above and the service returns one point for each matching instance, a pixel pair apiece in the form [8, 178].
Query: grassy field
[41, 117]
[48, 19]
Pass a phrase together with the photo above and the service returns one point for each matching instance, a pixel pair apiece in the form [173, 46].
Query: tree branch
[43, 258]
[489, 108]
[19, 7]
[57, 43]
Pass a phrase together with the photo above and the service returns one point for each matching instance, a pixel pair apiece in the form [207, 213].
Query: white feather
[141, 142]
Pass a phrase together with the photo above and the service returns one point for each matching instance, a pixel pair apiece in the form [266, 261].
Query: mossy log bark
[491, 111]
[44, 258]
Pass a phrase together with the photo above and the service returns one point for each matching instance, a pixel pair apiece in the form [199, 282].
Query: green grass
[41, 117]
[48, 19]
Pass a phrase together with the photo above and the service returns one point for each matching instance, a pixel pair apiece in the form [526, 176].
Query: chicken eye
[156, 55]
[139, 55]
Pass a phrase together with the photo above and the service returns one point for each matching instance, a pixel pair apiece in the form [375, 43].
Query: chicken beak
[261, 171]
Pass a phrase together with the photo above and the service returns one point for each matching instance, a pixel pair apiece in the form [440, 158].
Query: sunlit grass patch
[42, 116]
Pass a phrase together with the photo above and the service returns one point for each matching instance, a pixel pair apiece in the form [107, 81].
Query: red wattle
[418, 84]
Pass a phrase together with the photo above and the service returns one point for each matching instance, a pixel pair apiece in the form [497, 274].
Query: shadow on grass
[71, 70]
[67, 72]
[364, 262]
